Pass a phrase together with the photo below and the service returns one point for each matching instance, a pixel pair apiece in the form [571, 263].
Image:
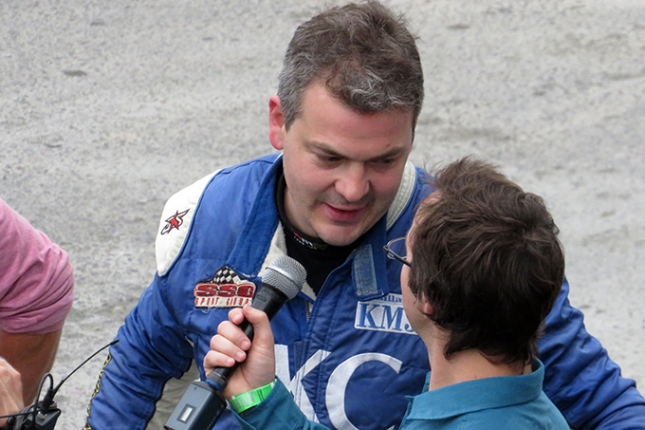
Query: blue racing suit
[349, 356]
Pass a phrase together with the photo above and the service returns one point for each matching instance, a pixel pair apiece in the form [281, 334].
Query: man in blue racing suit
[349, 95]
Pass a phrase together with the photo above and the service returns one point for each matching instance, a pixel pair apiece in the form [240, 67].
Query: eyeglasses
[398, 243]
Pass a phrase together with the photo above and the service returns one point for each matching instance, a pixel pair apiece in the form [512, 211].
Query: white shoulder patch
[403, 195]
[175, 223]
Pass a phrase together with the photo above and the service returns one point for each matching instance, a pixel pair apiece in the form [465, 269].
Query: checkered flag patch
[226, 275]
[225, 290]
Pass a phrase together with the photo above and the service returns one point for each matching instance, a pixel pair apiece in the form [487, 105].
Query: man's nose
[353, 182]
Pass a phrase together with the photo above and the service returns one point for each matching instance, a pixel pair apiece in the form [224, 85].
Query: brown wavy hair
[486, 256]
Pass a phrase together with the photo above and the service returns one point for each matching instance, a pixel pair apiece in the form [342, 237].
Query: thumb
[263, 335]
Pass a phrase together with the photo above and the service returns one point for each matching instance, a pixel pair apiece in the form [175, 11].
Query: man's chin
[341, 237]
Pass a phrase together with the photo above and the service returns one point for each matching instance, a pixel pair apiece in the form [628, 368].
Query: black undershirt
[317, 257]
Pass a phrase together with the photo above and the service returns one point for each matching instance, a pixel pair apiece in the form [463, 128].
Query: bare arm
[32, 355]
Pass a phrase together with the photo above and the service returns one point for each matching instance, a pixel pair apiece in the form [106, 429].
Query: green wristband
[242, 402]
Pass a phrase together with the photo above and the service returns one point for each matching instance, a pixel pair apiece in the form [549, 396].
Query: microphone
[282, 280]
[201, 405]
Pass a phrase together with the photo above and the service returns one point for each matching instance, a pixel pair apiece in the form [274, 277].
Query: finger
[224, 346]
[215, 359]
[254, 316]
[236, 316]
[261, 325]
[234, 334]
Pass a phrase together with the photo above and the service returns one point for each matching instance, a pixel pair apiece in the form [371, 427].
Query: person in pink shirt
[36, 293]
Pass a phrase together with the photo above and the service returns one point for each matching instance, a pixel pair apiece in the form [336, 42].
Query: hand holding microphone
[202, 405]
[232, 346]
[282, 280]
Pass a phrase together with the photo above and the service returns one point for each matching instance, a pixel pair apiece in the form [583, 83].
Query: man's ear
[424, 306]
[276, 123]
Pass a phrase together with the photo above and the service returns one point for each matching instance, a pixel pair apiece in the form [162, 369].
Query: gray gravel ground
[109, 107]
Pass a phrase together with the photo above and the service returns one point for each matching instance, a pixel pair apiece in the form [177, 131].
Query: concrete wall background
[109, 107]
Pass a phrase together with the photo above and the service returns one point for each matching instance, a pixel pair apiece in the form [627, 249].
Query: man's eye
[329, 158]
[385, 162]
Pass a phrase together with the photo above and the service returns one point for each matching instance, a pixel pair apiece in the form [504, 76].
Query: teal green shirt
[509, 402]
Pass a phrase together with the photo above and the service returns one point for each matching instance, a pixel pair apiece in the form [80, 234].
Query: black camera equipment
[42, 415]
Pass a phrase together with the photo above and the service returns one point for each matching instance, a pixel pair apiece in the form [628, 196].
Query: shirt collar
[473, 396]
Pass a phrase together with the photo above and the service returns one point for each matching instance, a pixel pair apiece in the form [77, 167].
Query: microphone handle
[268, 300]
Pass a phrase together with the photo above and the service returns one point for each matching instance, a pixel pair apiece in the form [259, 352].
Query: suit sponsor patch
[385, 314]
[174, 222]
[225, 290]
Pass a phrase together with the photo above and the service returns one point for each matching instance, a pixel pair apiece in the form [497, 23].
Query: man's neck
[465, 366]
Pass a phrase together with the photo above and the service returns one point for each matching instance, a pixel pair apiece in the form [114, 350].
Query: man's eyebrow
[393, 153]
[323, 147]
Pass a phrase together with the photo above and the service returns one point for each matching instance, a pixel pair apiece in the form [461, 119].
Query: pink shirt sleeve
[36, 278]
